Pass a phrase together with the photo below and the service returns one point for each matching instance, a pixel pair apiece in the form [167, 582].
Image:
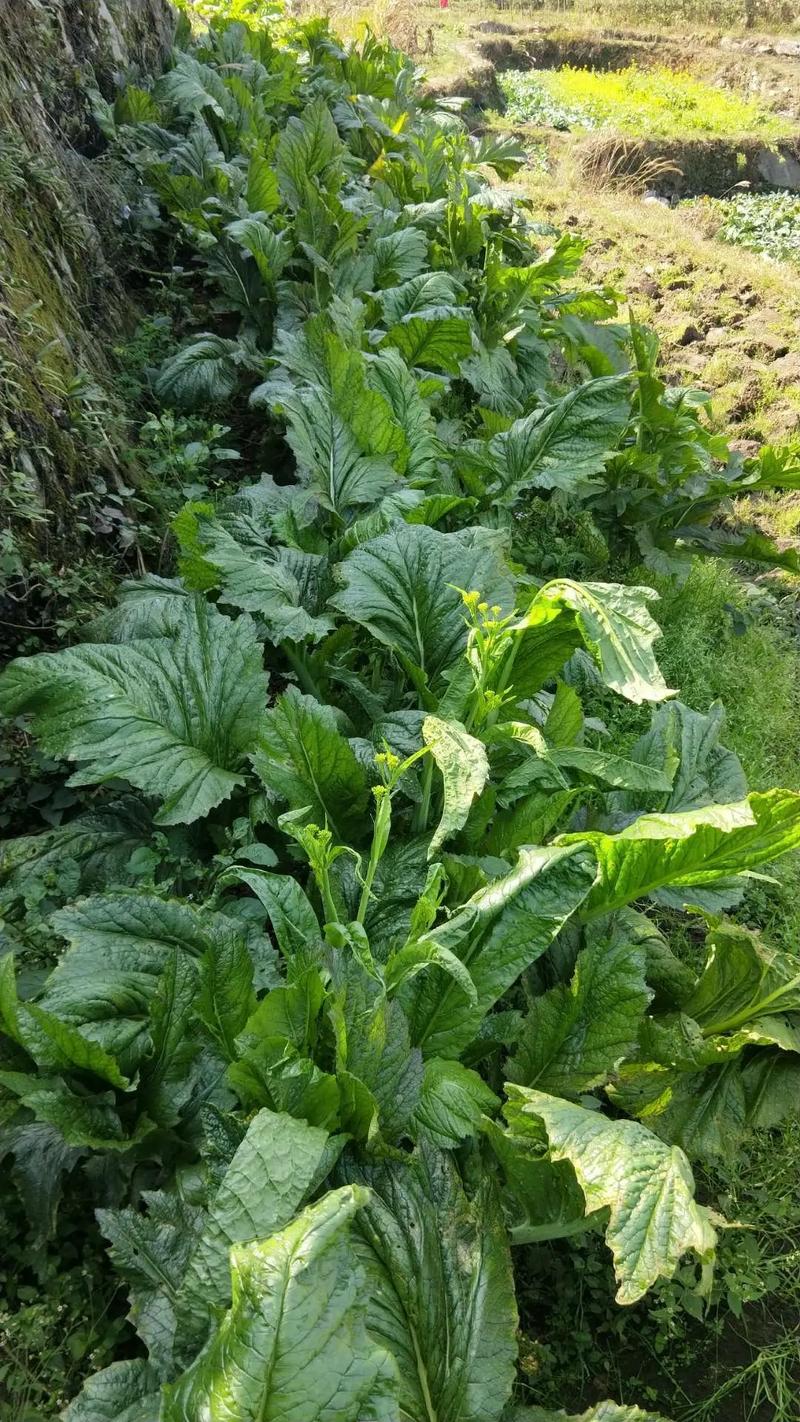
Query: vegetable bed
[767, 223]
[357, 974]
[658, 102]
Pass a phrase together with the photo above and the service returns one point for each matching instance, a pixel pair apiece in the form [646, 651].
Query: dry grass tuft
[623, 163]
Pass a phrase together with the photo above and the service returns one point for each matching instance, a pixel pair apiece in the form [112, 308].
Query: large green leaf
[541, 1198]
[175, 717]
[294, 922]
[705, 772]
[206, 371]
[404, 588]
[124, 1392]
[743, 980]
[430, 293]
[646, 1186]
[294, 1342]
[560, 446]
[575, 1036]
[285, 587]
[151, 1251]
[452, 1101]
[303, 758]
[438, 343]
[269, 1177]
[121, 945]
[691, 849]
[497, 934]
[440, 1289]
[309, 150]
[54, 1045]
[349, 444]
[175, 1259]
[41, 1160]
[616, 627]
[601, 1412]
[98, 843]
[373, 1048]
[269, 252]
[693, 1083]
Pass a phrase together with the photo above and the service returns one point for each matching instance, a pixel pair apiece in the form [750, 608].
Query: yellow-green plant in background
[658, 102]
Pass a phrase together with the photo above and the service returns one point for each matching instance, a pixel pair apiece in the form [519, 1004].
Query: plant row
[364, 980]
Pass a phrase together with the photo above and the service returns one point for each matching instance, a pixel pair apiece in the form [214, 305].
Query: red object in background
[443, 4]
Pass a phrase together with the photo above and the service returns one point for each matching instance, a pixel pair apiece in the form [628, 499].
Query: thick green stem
[380, 839]
[299, 666]
[424, 807]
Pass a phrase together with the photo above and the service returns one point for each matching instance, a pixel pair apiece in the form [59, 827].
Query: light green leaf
[293, 1344]
[268, 1179]
[423, 953]
[269, 252]
[465, 769]
[612, 770]
[437, 344]
[55, 1045]
[501, 151]
[309, 150]
[175, 717]
[743, 980]
[695, 848]
[601, 1412]
[284, 586]
[646, 1186]
[262, 185]
[430, 293]
[616, 628]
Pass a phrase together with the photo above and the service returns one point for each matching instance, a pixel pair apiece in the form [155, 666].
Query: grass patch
[658, 102]
[726, 640]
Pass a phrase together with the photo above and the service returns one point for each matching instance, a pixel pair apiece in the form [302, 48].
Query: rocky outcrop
[64, 297]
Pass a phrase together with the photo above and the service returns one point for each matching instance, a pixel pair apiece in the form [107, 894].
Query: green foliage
[767, 223]
[318, 914]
